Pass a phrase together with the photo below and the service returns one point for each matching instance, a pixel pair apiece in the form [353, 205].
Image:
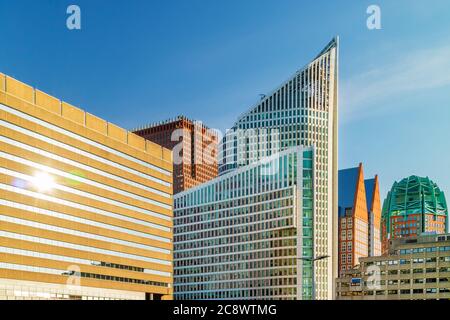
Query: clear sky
[135, 62]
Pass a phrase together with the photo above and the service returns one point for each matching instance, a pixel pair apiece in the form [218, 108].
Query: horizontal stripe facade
[70, 196]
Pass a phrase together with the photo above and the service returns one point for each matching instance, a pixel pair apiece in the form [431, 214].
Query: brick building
[194, 149]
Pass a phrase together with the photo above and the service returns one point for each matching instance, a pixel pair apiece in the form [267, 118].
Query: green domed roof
[414, 195]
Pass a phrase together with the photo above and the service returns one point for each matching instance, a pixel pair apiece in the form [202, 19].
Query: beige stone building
[86, 207]
[414, 269]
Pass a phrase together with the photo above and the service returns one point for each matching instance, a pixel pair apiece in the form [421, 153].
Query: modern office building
[415, 205]
[239, 236]
[86, 207]
[414, 268]
[359, 217]
[300, 112]
[194, 149]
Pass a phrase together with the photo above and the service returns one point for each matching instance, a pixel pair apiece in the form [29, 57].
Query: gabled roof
[348, 179]
[370, 186]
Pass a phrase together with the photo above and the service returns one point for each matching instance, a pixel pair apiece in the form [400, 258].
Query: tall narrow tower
[359, 217]
[303, 111]
[266, 228]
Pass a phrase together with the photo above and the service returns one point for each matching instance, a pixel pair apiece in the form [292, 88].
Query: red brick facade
[194, 149]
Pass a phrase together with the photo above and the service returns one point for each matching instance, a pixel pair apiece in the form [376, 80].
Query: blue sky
[135, 62]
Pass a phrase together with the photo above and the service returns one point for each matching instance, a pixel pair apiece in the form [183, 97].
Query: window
[392, 282]
[405, 281]
[349, 223]
[430, 260]
[393, 272]
[405, 291]
[392, 291]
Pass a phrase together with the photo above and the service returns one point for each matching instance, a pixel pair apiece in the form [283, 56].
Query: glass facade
[301, 112]
[239, 236]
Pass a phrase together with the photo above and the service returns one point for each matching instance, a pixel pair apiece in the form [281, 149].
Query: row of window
[235, 248]
[249, 294]
[235, 257]
[89, 197]
[244, 228]
[392, 282]
[401, 292]
[19, 267]
[406, 271]
[242, 284]
[86, 221]
[427, 249]
[79, 206]
[84, 140]
[275, 173]
[188, 270]
[236, 239]
[237, 275]
[235, 201]
[80, 261]
[82, 234]
[346, 234]
[68, 245]
[242, 215]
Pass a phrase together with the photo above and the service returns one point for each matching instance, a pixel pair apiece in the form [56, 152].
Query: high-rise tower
[374, 210]
[194, 149]
[303, 111]
[359, 217]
